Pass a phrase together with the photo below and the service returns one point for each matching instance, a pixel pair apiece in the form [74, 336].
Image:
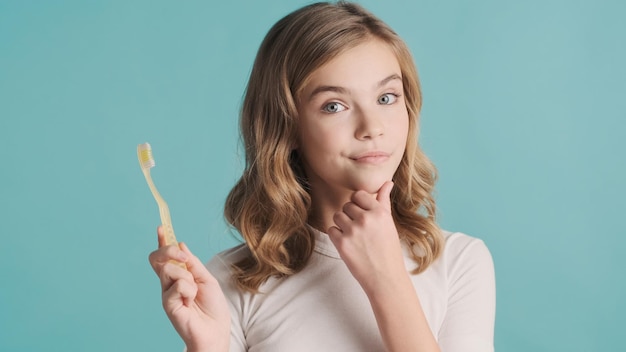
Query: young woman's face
[353, 121]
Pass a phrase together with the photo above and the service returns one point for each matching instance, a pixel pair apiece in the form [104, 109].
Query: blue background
[523, 115]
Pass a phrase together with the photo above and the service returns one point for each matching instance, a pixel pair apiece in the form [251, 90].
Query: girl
[342, 251]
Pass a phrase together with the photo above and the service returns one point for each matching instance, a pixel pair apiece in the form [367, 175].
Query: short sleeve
[220, 268]
[468, 325]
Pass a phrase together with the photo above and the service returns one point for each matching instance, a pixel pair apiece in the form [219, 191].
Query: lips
[371, 157]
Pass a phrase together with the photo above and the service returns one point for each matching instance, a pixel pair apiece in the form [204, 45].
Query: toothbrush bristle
[145, 156]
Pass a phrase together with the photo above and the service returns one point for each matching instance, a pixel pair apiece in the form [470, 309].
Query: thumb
[384, 195]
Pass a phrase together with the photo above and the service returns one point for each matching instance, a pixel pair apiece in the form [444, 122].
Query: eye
[333, 107]
[387, 99]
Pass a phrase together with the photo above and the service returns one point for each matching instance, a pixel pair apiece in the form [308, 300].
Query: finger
[165, 254]
[180, 292]
[195, 266]
[335, 234]
[352, 210]
[342, 222]
[364, 200]
[384, 195]
[161, 236]
[171, 273]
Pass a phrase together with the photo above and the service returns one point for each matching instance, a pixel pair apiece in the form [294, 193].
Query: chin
[371, 186]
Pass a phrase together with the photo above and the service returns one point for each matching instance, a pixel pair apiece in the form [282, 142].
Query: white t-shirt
[323, 308]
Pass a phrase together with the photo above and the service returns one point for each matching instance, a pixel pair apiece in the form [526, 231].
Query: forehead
[362, 66]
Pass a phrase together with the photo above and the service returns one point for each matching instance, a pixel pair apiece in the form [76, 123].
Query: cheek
[401, 126]
[319, 137]
[405, 129]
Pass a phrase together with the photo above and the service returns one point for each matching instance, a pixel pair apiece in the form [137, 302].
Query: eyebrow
[341, 90]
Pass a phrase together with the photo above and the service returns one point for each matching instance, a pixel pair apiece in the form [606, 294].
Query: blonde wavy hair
[270, 204]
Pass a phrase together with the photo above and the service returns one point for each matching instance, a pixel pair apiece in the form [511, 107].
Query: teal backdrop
[524, 115]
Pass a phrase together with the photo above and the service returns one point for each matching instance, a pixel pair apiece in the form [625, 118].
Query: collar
[323, 244]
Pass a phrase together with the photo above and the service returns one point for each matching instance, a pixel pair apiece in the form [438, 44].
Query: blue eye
[387, 99]
[333, 107]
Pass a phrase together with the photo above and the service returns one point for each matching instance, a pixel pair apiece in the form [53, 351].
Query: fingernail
[182, 256]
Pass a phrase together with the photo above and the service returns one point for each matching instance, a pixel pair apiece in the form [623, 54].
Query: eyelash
[325, 107]
[395, 97]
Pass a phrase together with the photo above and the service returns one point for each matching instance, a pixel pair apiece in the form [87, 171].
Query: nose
[369, 125]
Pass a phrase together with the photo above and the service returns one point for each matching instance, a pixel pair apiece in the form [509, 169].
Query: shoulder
[461, 247]
[466, 258]
[221, 264]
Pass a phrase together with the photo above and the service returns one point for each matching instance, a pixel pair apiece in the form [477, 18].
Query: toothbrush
[146, 161]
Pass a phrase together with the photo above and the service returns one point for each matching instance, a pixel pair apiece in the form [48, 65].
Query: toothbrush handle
[164, 212]
[170, 237]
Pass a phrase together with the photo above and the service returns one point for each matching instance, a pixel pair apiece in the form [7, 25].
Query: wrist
[390, 285]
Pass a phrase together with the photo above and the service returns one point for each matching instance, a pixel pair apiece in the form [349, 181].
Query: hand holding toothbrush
[192, 298]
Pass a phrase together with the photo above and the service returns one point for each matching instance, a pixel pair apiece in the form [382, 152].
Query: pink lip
[374, 157]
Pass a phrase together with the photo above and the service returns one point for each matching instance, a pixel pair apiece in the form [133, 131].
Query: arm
[192, 299]
[367, 240]
[401, 320]
[468, 325]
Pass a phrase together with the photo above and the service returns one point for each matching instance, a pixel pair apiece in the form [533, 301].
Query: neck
[324, 207]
